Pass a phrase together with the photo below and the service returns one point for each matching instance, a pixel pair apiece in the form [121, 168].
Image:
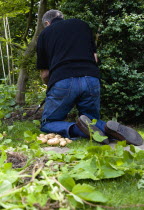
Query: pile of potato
[54, 139]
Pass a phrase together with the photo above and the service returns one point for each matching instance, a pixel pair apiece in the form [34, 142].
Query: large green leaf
[40, 198]
[109, 172]
[86, 169]
[88, 193]
[67, 181]
[5, 186]
[97, 137]
[9, 175]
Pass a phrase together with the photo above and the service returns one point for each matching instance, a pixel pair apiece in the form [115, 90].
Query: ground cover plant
[88, 176]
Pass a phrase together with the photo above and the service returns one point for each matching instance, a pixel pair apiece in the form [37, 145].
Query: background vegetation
[117, 27]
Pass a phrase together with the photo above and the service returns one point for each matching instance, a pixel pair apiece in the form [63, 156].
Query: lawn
[118, 182]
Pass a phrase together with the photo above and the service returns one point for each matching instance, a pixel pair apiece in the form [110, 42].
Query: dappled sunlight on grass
[140, 130]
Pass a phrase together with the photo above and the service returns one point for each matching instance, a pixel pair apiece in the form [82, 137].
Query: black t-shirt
[66, 48]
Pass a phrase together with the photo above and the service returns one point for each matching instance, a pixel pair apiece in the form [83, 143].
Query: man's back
[68, 48]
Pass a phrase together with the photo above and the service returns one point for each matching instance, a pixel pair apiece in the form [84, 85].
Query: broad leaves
[83, 191]
[88, 193]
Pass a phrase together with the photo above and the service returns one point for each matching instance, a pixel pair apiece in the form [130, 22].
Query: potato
[42, 139]
[63, 143]
[47, 137]
[53, 141]
[50, 135]
[58, 136]
[68, 140]
[42, 135]
[61, 139]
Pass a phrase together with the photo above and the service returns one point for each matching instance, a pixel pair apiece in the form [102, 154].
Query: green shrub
[121, 67]
[118, 26]
[7, 100]
[122, 92]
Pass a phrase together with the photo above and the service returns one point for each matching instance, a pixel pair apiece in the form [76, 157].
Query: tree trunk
[30, 51]
[29, 20]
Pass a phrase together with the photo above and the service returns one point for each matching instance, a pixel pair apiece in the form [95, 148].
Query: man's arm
[96, 57]
[42, 60]
[44, 74]
[94, 46]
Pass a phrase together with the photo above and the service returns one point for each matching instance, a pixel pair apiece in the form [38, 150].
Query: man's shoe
[83, 123]
[121, 132]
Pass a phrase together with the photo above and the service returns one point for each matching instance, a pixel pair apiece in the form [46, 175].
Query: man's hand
[96, 57]
[44, 74]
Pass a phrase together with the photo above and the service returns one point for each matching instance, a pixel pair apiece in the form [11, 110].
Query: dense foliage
[7, 100]
[117, 27]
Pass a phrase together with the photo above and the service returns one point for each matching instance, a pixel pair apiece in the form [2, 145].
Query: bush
[7, 100]
[118, 26]
[122, 93]
[121, 67]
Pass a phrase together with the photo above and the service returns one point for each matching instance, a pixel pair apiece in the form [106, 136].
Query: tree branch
[29, 20]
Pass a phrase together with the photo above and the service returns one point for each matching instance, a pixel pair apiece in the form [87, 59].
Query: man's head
[50, 15]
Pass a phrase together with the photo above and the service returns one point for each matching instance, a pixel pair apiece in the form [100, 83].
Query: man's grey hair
[50, 15]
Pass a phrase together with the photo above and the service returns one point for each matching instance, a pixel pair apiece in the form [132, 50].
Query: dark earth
[28, 113]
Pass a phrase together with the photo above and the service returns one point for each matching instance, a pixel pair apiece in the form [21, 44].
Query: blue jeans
[84, 92]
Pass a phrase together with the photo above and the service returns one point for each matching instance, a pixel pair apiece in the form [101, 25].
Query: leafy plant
[118, 28]
[7, 100]
[62, 180]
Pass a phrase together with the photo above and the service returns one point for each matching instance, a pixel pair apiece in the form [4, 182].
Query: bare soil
[22, 114]
[18, 160]
[28, 113]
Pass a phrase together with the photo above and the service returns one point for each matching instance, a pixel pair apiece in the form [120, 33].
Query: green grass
[16, 134]
[121, 191]
[140, 129]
